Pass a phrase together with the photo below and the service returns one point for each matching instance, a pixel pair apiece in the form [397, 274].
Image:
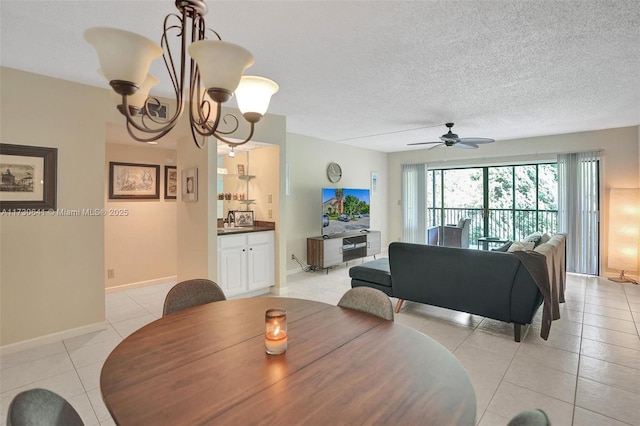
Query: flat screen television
[345, 210]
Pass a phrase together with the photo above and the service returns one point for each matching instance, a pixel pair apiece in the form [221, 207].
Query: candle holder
[275, 333]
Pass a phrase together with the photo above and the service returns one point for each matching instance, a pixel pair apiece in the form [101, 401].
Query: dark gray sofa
[492, 284]
[374, 274]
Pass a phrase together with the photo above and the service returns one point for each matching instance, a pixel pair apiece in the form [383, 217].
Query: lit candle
[275, 336]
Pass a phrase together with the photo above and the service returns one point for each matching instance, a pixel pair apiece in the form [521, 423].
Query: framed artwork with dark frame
[190, 184]
[131, 181]
[170, 182]
[243, 218]
[29, 177]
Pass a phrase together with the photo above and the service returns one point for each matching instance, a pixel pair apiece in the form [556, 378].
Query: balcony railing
[504, 224]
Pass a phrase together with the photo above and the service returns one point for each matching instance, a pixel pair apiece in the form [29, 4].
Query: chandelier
[215, 75]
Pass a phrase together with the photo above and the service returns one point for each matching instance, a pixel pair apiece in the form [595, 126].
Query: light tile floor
[587, 373]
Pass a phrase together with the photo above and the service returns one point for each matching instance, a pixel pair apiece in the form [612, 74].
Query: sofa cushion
[503, 247]
[375, 271]
[536, 238]
[521, 246]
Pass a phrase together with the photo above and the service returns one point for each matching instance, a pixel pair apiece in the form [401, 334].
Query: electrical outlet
[111, 273]
[270, 214]
[269, 199]
[293, 257]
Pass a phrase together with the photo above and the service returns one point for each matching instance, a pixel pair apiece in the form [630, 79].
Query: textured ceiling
[383, 74]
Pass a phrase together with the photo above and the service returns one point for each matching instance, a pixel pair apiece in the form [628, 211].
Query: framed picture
[240, 169]
[29, 175]
[190, 184]
[170, 182]
[243, 218]
[130, 181]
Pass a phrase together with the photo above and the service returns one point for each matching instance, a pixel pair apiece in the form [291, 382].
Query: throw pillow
[545, 237]
[521, 246]
[504, 247]
[536, 238]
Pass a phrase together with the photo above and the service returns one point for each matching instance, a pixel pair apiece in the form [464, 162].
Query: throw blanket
[536, 264]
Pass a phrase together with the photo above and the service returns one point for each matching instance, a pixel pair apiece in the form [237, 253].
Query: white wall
[620, 165]
[308, 159]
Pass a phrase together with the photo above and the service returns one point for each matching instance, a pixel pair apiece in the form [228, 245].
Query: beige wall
[195, 219]
[264, 163]
[620, 165]
[52, 267]
[52, 273]
[140, 246]
[197, 222]
[308, 159]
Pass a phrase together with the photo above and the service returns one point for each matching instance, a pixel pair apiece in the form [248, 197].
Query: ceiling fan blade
[423, 143]
[437, 145]
[476, 140]
[466, 145]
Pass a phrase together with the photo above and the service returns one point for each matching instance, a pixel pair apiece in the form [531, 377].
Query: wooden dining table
[207, 365]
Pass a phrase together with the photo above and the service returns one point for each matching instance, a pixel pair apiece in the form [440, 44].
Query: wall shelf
[235, 175]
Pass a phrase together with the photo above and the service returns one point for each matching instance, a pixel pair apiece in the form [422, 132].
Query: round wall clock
[334, 172]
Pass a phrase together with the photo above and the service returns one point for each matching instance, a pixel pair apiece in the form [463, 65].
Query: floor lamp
[624, 232]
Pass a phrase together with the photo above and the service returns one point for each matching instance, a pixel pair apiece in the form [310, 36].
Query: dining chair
[191, 293]
[367, 299]
[41, 407]
[532, 417]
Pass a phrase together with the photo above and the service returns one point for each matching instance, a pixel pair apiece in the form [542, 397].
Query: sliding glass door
[503, 202]
[510, 202]
[521, 200]
[456, 194]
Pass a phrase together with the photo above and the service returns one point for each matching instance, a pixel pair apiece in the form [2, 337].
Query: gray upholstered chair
[191, 293]
[432, 235]
[533, 417]
[369, 300]
[41, 407]
[455, 235]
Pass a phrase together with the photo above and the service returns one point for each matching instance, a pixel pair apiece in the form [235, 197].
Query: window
[506, 202]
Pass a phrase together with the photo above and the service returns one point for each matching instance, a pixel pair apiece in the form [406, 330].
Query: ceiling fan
[451, 139]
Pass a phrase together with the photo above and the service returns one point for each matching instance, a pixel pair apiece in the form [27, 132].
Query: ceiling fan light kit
[451, 139]
[125, 58]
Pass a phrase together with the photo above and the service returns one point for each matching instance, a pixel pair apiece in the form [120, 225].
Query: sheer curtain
[578, 209]
[414, 203]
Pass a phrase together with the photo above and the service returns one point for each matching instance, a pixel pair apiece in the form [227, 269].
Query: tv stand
[326, 251]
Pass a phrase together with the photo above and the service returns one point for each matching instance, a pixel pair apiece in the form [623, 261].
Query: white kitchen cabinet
[245, 262]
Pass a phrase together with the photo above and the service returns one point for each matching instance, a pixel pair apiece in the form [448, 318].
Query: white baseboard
[52, 338]
[139, 284]
[280, 291]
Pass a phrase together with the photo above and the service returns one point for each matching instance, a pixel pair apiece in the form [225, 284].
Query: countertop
[243, 230]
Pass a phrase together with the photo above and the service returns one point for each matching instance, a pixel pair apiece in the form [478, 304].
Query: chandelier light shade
[624, 231]
[123, 55]
[254, 94]
[138, 99]
[201, 84]
[209, 54]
